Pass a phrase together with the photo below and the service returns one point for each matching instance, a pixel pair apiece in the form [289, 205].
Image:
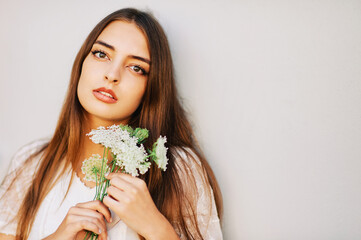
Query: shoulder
[198, 203]
[185, 155]
[15, 182]
[31, 148]
[25, 152]
[21, 158]
[187, 160]
[190, 169]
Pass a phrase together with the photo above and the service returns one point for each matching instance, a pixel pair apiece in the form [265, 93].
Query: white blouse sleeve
[207, 216]
[11, 200]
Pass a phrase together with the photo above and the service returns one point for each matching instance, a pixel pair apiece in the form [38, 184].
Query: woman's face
[114, 74]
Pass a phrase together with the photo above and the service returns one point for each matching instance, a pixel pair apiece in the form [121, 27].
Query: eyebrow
[105, 44]
[140, 58]
[131, 56]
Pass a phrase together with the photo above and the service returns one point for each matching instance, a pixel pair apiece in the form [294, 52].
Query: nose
[112, 79]
[113, 74]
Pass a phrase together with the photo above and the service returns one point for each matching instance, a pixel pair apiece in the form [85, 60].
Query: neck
[93, 122]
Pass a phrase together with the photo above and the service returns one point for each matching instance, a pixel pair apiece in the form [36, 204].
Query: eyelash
[100, 51]
[141, 69]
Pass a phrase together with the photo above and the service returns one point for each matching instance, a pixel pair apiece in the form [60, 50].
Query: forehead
[126, 38]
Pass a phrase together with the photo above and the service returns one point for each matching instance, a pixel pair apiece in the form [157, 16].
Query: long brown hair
[160, 112]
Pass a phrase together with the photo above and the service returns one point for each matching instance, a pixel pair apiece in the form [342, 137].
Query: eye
[100, 54]
[138, 69]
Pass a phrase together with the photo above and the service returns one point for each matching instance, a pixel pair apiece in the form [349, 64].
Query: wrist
[162, 230]
[50, 237]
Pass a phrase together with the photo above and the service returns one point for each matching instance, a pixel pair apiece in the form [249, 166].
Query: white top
[53, 209]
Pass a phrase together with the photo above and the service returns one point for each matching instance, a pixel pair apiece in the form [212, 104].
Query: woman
[123, 74]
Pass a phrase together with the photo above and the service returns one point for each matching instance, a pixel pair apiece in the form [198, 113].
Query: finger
[98, 206]
[79, 223]
[99, 223]
[112, 203]
[123, 175]
[117, 194]
[135, 181]
[88, 213]
[122, 184]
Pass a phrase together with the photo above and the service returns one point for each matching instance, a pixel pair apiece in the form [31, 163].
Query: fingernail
[100, 231]
[111, 219]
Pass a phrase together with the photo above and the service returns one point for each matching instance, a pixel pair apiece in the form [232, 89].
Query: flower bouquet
[129, 156]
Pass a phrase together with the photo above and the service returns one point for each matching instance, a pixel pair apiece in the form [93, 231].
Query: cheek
[90, 69]
[84, 89]
[141, 90]
[86, 77]
[136, 92]
[82, 85]
[81, 92]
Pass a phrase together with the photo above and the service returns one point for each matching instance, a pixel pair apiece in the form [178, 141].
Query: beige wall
[273, 88]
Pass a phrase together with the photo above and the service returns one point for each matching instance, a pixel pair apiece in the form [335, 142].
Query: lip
[104, 98]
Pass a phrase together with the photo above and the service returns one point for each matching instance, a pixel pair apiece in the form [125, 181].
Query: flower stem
[96, 186]
[101, 182]
[106, 185]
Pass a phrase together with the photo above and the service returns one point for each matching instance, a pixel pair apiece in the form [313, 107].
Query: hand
[84, 216]
[130, 199]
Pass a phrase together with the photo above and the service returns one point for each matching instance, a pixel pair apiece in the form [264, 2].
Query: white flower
[143, 168]
[92, 168]
[129, 156]
[108, 136]
[161, 153]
